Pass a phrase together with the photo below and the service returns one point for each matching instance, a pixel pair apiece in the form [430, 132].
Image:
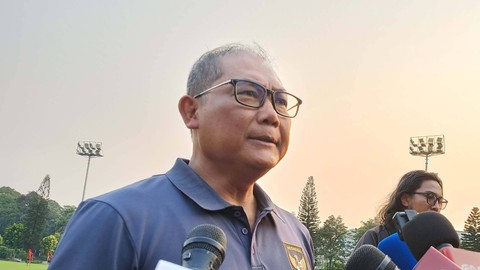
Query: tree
[333, 244]
[366, 225]
[14, 208]
[49, 244]
[471, 236]
[13, 236]
[35, 220]
[37, 213]
[308, 209]
[9, 211]
[64, 217]
[44, 189]
[54, 214]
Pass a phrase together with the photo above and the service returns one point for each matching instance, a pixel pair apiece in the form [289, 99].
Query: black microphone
[368, 257]
[429, 229]
[204, 248]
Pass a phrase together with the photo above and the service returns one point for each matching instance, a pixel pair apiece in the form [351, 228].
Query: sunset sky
[371, 74]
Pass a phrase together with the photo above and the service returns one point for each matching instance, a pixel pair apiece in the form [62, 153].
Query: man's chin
[266, 164]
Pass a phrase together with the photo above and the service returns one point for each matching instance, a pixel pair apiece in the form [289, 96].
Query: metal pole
[426, 163]
[86, 176]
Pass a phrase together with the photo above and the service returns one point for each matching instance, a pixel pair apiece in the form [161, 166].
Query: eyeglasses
[432, 199]
[253, 95]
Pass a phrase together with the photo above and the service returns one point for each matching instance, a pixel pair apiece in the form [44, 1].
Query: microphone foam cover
[209, 237]
[366, 257]
[398, 251]
[428, 229]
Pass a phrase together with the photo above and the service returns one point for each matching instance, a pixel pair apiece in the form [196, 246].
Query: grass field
[7, 265]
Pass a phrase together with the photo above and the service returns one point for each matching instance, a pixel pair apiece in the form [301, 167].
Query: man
[239, 115]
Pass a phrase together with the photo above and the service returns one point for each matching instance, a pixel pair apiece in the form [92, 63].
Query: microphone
[428, 229]
[204, 248]
[368, 257]
[398, 251]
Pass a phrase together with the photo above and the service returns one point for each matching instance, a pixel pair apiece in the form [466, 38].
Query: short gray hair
[207, 68]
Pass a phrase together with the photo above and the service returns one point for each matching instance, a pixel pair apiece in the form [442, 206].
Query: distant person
[29, 257]
[417, 190]
[49, 257]
[239, 115]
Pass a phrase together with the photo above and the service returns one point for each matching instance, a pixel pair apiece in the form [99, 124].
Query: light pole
[427, 146]
[88, 149]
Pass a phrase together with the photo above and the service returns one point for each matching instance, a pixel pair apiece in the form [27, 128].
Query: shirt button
[245, 231]
[237, 214]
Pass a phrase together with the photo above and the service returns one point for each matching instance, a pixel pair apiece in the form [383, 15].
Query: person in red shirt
[29, 257]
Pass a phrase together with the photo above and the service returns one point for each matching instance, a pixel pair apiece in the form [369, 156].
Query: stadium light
[88, 149]
[427, 146]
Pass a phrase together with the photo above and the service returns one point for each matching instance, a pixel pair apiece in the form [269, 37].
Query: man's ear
[188, 107]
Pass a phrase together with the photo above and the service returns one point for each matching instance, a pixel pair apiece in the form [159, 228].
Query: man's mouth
[266, 139]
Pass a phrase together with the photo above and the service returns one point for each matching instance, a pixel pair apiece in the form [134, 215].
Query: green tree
[62, 220]
[49, 244]
[57, 236]
[366, 225]
[15, 208]
[13, 236]
[9, 211]
[1, 240]
[308, 209]
[35, 221]
[54, 214]
[37, 213]
[471, 235]
[332, 239]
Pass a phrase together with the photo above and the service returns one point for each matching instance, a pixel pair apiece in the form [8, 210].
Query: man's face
[235, 135]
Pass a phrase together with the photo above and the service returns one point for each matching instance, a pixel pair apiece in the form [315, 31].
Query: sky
[371, 74]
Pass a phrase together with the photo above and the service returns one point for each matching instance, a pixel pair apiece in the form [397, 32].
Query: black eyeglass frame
[442, 202]
[262, 101]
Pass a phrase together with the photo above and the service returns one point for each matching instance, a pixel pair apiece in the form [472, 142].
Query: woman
[417, 190]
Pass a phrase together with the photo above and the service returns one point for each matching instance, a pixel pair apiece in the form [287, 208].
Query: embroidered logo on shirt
[296, 257]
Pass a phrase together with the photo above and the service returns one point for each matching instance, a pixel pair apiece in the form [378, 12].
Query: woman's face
[418, 200]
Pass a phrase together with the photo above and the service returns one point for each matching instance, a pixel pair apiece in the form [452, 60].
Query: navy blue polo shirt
[136, 226]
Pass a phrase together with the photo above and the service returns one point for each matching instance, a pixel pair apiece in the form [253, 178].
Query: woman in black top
[417, 190]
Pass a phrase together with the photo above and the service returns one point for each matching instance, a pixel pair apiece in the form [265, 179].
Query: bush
[5, 252]
[10, 253]
[20, 253]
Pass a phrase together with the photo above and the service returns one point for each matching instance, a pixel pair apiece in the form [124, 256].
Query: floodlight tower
[88, 149]
[427, 146]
